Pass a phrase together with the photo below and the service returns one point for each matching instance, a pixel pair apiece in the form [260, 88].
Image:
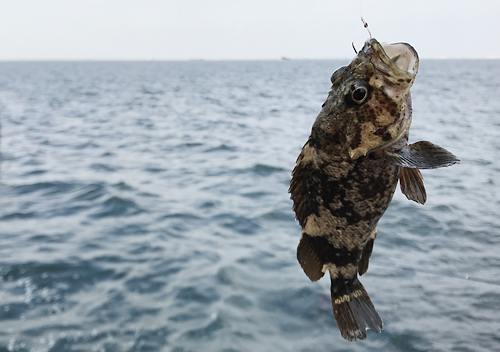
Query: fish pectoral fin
[309, 259]
[412, 185]
[422, 155]
[366, 254]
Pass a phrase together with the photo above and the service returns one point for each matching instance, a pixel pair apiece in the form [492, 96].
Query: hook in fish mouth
[399, 60]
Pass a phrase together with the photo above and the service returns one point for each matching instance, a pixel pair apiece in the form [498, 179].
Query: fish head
[370, 98]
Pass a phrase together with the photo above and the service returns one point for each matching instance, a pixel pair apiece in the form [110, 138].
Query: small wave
[297, 302]
[145, 284]
[255, 195]
[148, 195]
[35, 173]
[145, 248]
[40, 331]
[154, 170]
[50, 282]
[33, 162]
[102, 168]
[194, 294]
[239, 301]
[213, 101]
[238, 224]
[221, 148]
[68, 210]
[90, 337]
[182, 216]
[209, 205]
[152, 91]
[267, 261]
[264, 170]
[278, 216]
[229, 275]
[122, 186]
[52, 238]
[117, 206]
[129, 230]
[13, 310]
[90, 192]
[206, 331]
[264, 95]
[192, 144]
[237, 113]
[87, 145]
[48, 188]
[18, 216]
[187, 316]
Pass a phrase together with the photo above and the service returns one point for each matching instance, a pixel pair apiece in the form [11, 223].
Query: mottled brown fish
[347, 172]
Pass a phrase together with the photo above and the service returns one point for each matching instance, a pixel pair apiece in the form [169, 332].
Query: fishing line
[436, 273]
[365, 24]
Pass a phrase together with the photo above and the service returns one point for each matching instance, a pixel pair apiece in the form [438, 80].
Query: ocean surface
[144, 207]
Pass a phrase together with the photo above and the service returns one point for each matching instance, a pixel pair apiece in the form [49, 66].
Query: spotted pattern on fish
[342, 182]
[347, 172]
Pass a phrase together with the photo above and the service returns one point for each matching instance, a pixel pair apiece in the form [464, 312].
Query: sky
[242, 29]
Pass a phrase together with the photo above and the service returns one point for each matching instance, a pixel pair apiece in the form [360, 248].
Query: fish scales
[347, 172]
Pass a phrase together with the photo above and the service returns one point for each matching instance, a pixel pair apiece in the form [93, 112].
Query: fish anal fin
[309, 258]
[422, 155]
[354, 313]
[412, 185]
[366, 253]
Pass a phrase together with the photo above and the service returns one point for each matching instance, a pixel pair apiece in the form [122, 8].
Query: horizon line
[284, 58]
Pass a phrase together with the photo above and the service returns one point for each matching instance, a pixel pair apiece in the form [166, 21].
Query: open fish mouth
[391, 71]
[398, 62]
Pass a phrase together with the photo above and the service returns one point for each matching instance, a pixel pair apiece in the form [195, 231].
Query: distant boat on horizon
[284, 58]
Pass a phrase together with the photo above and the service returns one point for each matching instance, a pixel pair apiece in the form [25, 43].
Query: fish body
[348, 170]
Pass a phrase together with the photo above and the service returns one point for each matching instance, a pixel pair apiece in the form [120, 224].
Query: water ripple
[117, 206]
[144, 207]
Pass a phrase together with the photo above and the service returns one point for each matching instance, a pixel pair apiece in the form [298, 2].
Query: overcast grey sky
[242, 29]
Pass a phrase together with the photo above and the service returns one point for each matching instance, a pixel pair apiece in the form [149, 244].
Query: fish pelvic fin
[366, 253]
[310, 258]
[354, 312]
[422, 155]
[412, 185]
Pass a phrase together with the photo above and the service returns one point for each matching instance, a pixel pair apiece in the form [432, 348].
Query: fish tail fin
[354, 312]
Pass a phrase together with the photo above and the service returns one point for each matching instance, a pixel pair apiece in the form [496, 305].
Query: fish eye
[359, 95]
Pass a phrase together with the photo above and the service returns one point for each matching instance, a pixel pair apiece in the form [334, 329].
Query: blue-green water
[144, 207]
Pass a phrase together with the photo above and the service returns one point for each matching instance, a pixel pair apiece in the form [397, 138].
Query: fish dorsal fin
[422, 155]
[309, 258]
[412, 185]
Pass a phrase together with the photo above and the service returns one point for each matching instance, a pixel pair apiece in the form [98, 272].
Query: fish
[348, 170]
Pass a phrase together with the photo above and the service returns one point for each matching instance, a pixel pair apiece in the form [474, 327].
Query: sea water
[144, 207]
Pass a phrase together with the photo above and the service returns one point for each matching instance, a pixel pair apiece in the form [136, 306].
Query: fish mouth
[393, 71]
[398, 61]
